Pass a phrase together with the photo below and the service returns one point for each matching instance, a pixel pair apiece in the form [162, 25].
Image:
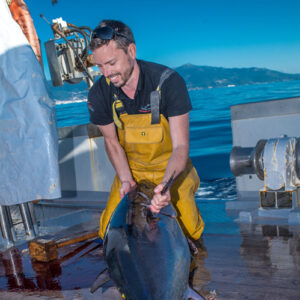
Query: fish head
[140, 218]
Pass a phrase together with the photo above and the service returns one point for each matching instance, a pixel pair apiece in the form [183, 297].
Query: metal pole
[33, 218]
[6, 226]
[27, 220]
[10, 223]
[89, 82]
[15, 266]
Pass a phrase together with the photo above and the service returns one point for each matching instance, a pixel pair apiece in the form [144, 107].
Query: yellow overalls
[148, 148]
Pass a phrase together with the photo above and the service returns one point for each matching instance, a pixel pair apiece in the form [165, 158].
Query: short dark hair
[122, 41]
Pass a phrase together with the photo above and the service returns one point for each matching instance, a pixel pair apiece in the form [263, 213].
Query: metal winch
[276, 161]
[68, 54]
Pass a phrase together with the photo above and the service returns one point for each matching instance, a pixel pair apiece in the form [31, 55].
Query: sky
[221, 33]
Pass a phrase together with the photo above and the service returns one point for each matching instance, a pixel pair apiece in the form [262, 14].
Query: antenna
[42, 16]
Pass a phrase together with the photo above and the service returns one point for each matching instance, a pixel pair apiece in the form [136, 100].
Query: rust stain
[275, 145]
[52, 188]
[265, 176]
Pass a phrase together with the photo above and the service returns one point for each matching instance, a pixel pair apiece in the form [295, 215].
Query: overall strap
[155, 96]
[117, 108]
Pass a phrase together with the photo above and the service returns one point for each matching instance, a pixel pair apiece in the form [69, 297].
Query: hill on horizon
[201, 77]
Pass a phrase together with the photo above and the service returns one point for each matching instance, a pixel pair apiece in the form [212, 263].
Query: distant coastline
[205, 77]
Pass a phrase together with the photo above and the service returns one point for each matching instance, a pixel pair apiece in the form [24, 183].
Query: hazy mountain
[198, 77]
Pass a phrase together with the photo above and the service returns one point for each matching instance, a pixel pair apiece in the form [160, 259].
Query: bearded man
[142, 110]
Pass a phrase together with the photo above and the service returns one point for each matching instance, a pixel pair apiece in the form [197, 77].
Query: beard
[126, 74]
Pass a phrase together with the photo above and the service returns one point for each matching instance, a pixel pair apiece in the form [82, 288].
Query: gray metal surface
[266, 109]
[54, 66]
[240, 161]
[248, 160]
[256, 121]
[27, 220]
[279, 164]
[266, 120]
[8, 234]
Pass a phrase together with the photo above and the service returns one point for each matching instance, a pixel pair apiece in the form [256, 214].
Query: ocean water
[210, 127]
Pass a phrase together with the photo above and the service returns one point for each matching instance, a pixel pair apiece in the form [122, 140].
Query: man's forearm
[119, 161]
[177, 162]
[176, 165]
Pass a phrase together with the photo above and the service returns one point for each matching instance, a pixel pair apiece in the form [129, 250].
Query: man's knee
[192, 227]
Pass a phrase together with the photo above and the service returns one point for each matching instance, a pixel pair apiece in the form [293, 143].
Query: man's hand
[159, 201]
[125, 187]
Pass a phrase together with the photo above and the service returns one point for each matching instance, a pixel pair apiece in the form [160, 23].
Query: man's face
[115, 63]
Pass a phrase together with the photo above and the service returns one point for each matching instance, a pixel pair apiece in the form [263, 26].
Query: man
[142, 110]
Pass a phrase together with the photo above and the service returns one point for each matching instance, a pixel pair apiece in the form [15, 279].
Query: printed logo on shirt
[145, 109]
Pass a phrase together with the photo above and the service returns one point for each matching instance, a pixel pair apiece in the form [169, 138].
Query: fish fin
[195, 295]
[101, 279]
[192, 294]
[193, 248]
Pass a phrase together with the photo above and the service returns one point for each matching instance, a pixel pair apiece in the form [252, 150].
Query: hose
[54, 28]
[85, 51]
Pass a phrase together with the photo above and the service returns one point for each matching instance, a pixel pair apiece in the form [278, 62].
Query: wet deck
[260, 263]
[241, 261]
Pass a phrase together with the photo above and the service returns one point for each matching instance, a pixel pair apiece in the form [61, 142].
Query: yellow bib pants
[148, 148]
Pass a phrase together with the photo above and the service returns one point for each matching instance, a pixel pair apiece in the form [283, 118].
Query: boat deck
[241, 261]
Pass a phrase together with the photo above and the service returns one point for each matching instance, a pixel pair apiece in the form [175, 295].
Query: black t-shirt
[175, 99]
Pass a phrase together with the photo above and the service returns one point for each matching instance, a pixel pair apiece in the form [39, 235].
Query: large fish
[147, 255]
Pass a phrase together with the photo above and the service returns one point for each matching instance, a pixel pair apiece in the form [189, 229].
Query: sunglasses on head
[107, 33]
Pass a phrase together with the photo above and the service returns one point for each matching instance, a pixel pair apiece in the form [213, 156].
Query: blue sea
[210, 127]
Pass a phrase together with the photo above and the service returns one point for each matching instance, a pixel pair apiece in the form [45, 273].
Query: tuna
[147, 255]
